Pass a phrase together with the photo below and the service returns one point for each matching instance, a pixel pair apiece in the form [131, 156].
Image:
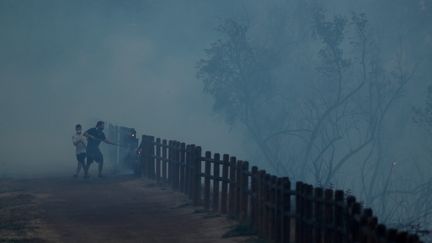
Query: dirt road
[112, 209]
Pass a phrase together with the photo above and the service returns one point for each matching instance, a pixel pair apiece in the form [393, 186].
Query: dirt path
[113, 209]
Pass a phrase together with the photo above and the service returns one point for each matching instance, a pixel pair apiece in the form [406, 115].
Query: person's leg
[77, 169]
[100, 163]
[78, 166]
[100, 168]
[81, 163]
[90, 159]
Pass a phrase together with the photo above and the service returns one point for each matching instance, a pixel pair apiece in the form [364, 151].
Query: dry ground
[112, 209]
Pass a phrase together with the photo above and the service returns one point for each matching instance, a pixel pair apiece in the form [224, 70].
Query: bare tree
[339, 117]
[311, 127]
[238, 76]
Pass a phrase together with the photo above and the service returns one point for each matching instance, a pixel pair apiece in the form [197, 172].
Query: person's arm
[75, 140]
[109, 142]
[83, 140]
[105, 140]
[88, 135]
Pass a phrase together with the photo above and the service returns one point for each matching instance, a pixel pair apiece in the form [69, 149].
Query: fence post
[232, 187]
[171, 163]
[273, 207]
[143, 157]
[170, 159]
[187, 169]
[197, 176]
[238, 194]
[158, 159]
[267, 209]
[216, 179]
[254, 198]
[391, 235]
[308, 213]
[329, 216]
[299, 212]
[261, 203]
[319, 212]
[207, 171]
[380, 233]
[244, 196]
[373, 223]
[151, 158]
[224, 194]
[355, 224]
[183, 167]
[413, 239]
[192, 172]
[164, 160]
[286, 211]
[176, 165]
[279, 209]
[368, 225]
[402, 237]
[338, 220]
[349, 218]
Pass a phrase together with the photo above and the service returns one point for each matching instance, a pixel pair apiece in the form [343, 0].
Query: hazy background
[131, 63]
[134, 63]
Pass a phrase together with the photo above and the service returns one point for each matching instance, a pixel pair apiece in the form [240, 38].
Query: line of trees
[317, 103]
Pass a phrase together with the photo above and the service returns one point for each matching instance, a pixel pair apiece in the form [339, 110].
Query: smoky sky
[131, 63]
[134, 63]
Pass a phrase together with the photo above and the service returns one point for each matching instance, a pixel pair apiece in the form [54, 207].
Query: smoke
[131, 64]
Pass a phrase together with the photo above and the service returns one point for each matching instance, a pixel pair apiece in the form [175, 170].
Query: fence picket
[151, 158]
[261, 203]
[338, 214]
[238, 189]
[158, 160]
[232, 187]
[308, 213]
[254, 198]
[286, 212]
[196, 180]
[329, 215]
[164, 160]
[261, 199]
[299, 212]
[182, 167]
[216, 180]
[224, 190]
[244, 191]
[207, 175]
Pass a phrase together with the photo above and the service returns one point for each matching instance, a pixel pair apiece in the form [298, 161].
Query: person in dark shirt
[94, 137]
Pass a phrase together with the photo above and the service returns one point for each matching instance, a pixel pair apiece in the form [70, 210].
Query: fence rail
[269, 204]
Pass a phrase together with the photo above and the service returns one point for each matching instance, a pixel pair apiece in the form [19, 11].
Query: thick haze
[135, 63]
[131, 63]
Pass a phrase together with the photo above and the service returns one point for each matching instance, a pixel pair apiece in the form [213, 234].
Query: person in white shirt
[80, 143]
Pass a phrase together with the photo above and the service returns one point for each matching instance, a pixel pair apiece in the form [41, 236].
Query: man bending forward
[94, 137]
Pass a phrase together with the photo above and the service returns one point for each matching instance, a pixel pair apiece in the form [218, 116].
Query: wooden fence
[277, 210]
